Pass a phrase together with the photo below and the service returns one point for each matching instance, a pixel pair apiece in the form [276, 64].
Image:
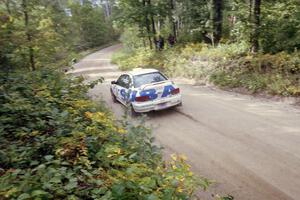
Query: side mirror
[114, 82]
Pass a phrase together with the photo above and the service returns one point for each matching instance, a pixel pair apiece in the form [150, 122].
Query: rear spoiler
[152, 84]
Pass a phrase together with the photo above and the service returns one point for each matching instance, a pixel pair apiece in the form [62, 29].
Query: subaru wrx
[145, 90]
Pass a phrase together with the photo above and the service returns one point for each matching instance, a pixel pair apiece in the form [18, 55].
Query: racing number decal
[133, 95]
[123, 94]
[151, 93]
[167, 90]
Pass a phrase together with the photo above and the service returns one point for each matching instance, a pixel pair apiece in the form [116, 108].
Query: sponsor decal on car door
[123, 91]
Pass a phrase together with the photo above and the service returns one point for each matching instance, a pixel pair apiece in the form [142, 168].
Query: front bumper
[160, 104]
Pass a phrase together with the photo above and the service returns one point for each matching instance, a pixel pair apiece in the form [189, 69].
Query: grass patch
[225, 66]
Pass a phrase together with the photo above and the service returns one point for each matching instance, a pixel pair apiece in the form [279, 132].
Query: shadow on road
[162, 113]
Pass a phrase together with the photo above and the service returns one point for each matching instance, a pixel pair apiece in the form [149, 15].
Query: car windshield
[143, 79]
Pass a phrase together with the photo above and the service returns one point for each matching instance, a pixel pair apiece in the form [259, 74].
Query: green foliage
[225, 66]
[281, 28]
[198, 20]
[129, 60]
[38, 32]
[49, 33]
[91, 28]
[130, 40]
[58, 144]
[277, 74]
[196, 16]
[226, 51]
[163, 60]
[158, 17]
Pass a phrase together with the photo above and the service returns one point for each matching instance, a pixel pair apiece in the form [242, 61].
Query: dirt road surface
[250, 147]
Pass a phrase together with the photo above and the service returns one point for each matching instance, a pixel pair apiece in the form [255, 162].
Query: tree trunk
[174, 29]
[217, 19]
[153, 29]
[251, 20]
[153, 26]
[149, 32]
[152, 23]
[250, 10]
[28, 35]
[7, 5]
[147, 23]
[256, 31]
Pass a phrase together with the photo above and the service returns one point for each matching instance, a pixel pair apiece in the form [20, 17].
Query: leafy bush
[226, 51]
[278, 30]
[128, 61]
[130, 39]
[57, 144]
[165, 60]
[277, 74]
[228, 65]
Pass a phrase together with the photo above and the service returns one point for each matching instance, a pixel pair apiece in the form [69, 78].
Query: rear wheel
[178, 106]
[132, 112]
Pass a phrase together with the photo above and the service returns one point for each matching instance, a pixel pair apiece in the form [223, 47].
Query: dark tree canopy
[262, 24]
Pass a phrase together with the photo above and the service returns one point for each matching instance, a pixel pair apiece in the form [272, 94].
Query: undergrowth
[225, 66]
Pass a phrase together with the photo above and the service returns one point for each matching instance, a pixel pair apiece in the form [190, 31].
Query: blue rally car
[145, 90]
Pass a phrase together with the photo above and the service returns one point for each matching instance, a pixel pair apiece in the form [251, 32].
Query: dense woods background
[252, 45]
[269, 26]
[36, 33]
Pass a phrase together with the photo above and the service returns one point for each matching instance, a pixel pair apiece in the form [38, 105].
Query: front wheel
[114, 99]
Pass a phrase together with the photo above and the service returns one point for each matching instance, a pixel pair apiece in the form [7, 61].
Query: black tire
[177, 106]
[132, 112]
[114, 99]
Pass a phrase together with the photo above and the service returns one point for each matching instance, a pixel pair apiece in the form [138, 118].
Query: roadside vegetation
[252, 46]
[35, 34]
[226, 66]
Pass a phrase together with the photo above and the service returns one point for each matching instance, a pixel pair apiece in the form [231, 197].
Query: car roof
[139, 71]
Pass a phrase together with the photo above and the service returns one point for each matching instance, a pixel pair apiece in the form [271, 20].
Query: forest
[45, 32]
[267, 26]
[56, 143]
[250, 44]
